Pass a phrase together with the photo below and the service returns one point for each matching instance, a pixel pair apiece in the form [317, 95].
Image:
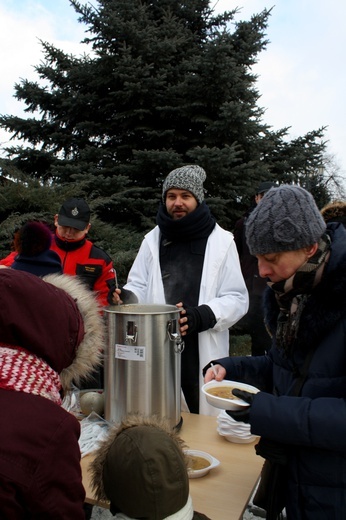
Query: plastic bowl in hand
[219, 394]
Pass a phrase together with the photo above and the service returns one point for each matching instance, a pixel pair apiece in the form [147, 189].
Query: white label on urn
[129, 352]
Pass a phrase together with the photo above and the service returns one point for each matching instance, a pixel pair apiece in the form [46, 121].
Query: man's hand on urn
[116, 297]
[183, 319]
[195, 319]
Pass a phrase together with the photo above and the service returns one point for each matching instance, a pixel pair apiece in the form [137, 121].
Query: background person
[335, 211]
[300, 412]
[253, 321]
[32, 245]
[142, 470]
[50, 332]
[79, 256]
[189, 260]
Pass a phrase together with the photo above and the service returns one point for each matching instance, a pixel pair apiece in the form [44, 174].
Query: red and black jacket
[90, 263]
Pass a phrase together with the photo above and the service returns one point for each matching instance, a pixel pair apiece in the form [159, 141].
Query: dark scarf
[197, 224]
[293, 293]
[69, 246]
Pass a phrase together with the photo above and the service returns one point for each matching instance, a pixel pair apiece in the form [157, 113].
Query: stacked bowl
[234, 431]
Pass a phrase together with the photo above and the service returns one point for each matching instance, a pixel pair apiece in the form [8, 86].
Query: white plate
[213, 462]
[224, 403]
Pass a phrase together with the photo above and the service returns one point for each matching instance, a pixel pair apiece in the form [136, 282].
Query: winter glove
[243, 414]
[128, 296]
[199, 318]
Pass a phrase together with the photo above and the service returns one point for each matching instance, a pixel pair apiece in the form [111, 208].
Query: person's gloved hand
[125, 296]
[243, 414]
[199, 318]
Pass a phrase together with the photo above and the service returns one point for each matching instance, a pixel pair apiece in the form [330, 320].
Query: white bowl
[225, 403]
[229, 430]
[228, 424]
[196, 473]
[239, 440]
[92, 400]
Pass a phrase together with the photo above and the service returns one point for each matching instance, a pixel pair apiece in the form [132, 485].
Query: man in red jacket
[79, 256]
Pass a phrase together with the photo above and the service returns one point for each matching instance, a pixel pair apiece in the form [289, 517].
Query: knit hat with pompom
[32, 238]
[32, 242]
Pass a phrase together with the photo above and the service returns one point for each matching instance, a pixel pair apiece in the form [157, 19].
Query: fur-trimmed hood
[56, 318]
[89, 351]
[142, 470]
[335, 211]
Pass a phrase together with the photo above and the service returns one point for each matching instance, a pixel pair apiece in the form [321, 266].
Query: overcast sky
[302, 74]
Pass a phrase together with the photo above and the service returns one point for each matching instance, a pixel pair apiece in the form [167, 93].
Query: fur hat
[190, 178]
[32, 242]
[74, 213]
[56, 318]
[141, 469]
[286, 219]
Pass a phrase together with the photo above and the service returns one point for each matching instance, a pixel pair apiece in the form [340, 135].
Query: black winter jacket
[312, 426]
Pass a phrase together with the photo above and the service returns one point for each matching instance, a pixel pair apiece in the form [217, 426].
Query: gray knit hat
[189, 177]
[286, 219]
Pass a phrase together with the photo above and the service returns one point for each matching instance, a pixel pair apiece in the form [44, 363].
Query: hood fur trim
[89, 352]
[132, 420]
[334, 211]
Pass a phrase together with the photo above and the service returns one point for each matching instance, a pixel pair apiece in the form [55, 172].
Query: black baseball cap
[74, 213]
[265, 186]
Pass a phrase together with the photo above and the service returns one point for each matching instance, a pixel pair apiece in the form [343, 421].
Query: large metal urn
[142, 362]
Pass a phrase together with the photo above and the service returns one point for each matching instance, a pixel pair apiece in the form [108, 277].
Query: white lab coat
[222, 288]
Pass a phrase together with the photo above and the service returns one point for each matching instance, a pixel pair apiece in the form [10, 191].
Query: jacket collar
[69, 246]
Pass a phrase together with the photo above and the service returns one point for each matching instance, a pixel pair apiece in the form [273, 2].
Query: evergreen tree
[165, 83]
